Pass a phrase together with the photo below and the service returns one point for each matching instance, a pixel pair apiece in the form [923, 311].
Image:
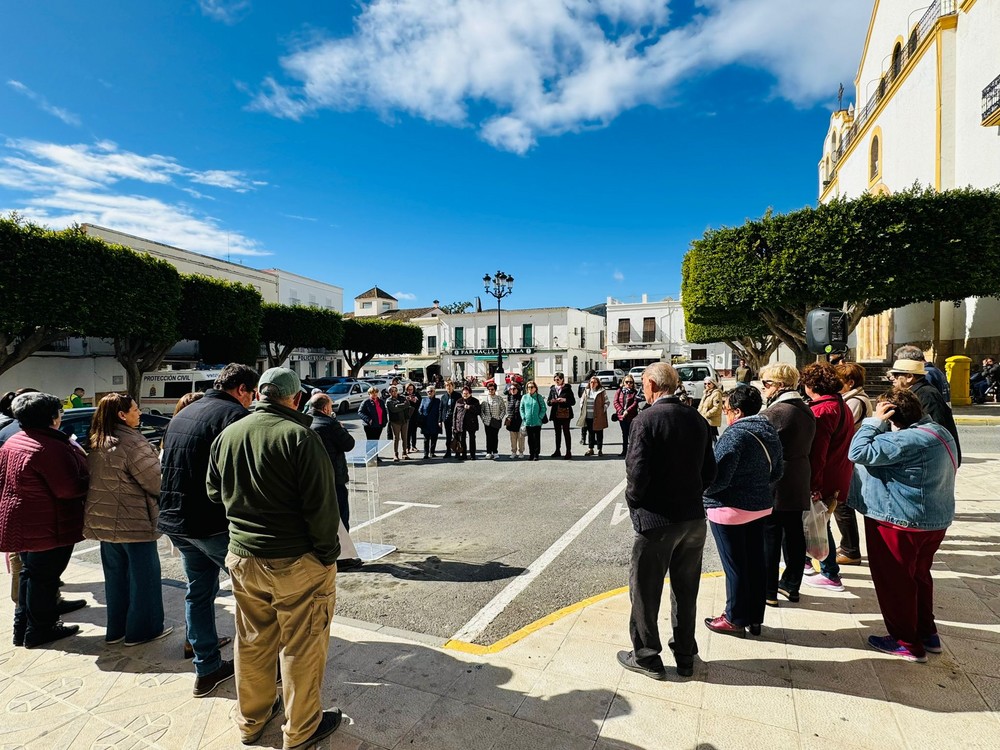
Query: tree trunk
[277, 353]
[17, 346]
[357, 360]
[138, 357]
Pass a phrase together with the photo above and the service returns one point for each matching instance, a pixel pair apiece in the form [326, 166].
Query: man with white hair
[273, 476]
[910, 374]
[669, 464]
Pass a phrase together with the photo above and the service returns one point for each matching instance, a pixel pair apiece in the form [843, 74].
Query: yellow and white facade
[927, 111]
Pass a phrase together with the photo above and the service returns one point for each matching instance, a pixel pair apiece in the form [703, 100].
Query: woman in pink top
[749, 458]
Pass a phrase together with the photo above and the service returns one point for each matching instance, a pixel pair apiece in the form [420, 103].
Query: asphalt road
[494, 521]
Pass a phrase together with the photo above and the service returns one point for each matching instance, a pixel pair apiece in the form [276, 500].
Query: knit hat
[285, 380]
[908, 367]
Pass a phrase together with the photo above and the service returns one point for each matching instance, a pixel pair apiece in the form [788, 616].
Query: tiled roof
[376, 292]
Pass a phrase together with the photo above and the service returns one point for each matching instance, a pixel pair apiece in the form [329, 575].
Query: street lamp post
[499, 285]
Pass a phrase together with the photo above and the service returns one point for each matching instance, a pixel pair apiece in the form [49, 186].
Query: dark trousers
[900, 564]
[595, 435]
[783, 533]
[38, 590]
[430, 445]
[412, 434]
[561, 426]
[626, 426]
[534, 441]
[675, 549]
[587, 425]
[373, 432]
[492, 439]
[344, 506]
[467, 439]
[447, 437]
[132, 590]
[847, 521]
[741, 549]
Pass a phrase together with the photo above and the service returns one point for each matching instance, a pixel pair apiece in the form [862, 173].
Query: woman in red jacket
[831, 468]
[43, 483]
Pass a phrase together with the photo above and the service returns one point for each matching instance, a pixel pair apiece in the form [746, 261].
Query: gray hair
[909, 352]
[663, 377]
[36, 410]
[431, 389]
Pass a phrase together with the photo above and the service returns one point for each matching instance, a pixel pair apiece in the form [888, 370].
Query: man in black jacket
[669, 463]
[198, 527]
[337, 441]
[910, 374]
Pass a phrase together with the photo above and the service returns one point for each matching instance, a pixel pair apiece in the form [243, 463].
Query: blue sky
[578, 145]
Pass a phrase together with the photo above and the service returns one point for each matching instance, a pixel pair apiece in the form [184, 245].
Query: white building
[300, 290]
[641, 333]
[535, 343]
[927, 110]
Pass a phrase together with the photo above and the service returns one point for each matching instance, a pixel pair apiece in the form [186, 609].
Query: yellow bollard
[957, 369]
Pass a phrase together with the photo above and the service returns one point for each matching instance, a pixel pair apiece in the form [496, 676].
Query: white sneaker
[809, 570]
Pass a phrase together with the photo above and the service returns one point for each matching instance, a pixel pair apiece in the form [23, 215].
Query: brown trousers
[282, 604]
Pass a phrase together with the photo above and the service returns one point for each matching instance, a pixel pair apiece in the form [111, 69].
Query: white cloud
[545, 68]
[618, 275]
[299, 218]
[226, 11]
[83, 183]
[43, 104]
[404, 295]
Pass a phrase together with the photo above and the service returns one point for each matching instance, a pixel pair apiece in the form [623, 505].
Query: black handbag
[495, 423]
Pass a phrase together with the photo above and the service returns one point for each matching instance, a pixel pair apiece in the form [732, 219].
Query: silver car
[693, 376]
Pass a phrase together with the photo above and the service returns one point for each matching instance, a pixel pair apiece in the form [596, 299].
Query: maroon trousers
[900, 564]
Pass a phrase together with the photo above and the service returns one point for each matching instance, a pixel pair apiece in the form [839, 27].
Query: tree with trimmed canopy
[288, 327]
[366, 337]
[866, 255]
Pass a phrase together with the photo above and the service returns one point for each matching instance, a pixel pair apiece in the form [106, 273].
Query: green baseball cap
[286, 381]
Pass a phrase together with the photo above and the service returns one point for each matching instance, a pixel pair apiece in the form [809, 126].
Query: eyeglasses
[767, 383]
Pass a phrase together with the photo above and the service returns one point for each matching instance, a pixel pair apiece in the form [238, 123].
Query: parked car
[347, 397]
[636, 373]
[693, 376]
[611, 378]
[326, 381]
[77, 422]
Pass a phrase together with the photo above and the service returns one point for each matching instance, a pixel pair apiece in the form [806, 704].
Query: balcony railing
[991, 103]
[896, 68]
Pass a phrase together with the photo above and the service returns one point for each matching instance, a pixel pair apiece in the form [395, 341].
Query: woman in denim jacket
[907, 465]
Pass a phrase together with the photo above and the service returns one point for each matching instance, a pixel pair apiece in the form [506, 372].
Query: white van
[160, 390]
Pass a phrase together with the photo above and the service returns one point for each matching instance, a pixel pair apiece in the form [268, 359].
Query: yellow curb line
[517, 635]
[977, 420]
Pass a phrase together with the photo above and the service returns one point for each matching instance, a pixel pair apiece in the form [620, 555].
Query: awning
[422, 361]
[614, 354]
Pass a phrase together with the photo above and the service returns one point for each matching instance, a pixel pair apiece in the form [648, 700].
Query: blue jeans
[830, 567]
[132, 589]
[203, 559]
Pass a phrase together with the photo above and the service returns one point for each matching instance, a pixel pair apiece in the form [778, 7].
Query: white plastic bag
[814, 523]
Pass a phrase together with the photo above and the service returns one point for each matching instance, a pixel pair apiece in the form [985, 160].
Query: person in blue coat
[429, 416]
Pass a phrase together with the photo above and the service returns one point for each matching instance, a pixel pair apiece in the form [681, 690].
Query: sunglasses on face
[767, 383]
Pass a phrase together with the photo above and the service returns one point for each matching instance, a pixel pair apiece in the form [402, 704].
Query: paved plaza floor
[807, 682]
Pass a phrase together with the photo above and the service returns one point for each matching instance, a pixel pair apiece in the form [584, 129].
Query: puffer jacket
[749, 458]
[43, 483]
[710, 407]
[492, 407]
[122, 503]
[532, 409]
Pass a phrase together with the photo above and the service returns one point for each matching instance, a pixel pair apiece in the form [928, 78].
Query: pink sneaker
[889, 645]
[820, 581]
[809, 570]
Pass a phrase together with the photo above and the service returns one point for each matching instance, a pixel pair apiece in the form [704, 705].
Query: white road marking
[394, 511]
[620, 514]
[84, 551]
[475, 627]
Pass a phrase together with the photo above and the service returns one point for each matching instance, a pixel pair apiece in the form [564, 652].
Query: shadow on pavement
[436, 569]
[400, 694]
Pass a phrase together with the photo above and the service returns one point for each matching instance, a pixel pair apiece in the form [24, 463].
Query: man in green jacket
[271, 472]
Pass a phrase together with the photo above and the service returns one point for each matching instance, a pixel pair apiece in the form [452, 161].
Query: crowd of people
[246, 482]
[521, 411]
[805, 447]
[249, 483]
